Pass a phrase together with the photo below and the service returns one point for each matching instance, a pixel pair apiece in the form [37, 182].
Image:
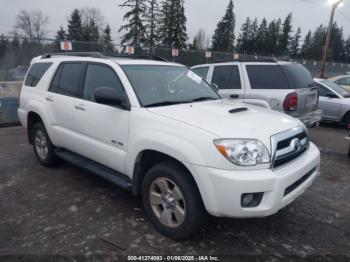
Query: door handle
[80, 107]
[49, 98]
[234, 96]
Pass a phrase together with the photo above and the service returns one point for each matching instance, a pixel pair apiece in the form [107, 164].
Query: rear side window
[100, 76]
[298, 76]
[35, 73]
[344, 81]
[67, 79]
[266, 77]
[202, 71]
[227, 77]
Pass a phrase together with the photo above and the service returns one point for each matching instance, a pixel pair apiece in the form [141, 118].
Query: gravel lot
[67, 211]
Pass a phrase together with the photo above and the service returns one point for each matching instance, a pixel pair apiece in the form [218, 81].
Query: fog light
[247, 199]
[251, 199]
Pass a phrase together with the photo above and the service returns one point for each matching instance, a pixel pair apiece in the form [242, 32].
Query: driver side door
[330, 106]
[103, 129]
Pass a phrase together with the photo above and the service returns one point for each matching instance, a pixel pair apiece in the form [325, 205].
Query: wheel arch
[145, 160]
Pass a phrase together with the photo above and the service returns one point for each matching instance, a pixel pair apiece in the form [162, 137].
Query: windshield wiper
[204, 98]
[168, 103]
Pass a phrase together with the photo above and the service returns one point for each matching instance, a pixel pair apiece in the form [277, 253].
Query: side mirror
[215, 86]
[108, 96]
[331, 95]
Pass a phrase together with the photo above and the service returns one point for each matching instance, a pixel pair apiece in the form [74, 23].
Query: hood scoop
[238, 110]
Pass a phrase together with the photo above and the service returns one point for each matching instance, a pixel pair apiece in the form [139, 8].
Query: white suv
[283, 86]
[160, 131]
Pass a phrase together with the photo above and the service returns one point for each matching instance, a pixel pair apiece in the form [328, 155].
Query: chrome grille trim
[294, 143]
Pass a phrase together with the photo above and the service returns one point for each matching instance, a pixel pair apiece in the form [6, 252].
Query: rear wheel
[172, 202]
[347, 119]
[43, 147]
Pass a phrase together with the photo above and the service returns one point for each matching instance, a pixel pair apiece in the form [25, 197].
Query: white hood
[214, 117]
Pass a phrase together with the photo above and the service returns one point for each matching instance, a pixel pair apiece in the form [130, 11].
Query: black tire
[347, 119]
[49, 159]
[195, 213]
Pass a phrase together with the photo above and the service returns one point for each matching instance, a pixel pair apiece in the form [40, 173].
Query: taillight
[291, 102]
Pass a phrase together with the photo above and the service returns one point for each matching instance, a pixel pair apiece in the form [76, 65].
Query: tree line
[162, 23]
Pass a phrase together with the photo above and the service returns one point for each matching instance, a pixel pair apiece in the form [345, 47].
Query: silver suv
[282, 86]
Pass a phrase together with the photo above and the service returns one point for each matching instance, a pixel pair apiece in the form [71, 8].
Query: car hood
[214, 117]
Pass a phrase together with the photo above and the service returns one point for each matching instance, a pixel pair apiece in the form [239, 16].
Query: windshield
[298, 76]
[337, 88]
[168, 85]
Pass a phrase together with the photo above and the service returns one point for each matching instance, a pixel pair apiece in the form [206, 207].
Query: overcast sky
[308, 14]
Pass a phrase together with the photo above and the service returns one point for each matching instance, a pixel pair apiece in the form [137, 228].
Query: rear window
[35, 73]
[227, 77]
[266, 77]
[202, 71]
[298, 76]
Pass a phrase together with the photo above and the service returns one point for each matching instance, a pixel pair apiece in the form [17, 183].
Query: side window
[322, 91]
[35, 73]
[344, 81]
[266, 77]
[202, 71]
[227, 77]
[67, 79]
[100, 76]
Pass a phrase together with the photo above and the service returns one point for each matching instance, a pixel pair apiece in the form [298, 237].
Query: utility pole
[328, 39]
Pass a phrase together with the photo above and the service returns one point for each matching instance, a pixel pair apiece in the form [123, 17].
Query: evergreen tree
[337, 52]
[3, 45]
[284, 37]
[61, 35]
[253, 31]
[243, 38]
[347, 51]
[75, 26]
[261, 37]
[172, 30]
[152, 21]
[305, 49]
[107, 41]
[294, 44]
[224, 36]
[273, 33]
[317, 43]
[135, 29]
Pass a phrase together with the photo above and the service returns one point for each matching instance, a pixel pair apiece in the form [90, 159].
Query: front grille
[298, 183]
[288, 146]
[286, 142]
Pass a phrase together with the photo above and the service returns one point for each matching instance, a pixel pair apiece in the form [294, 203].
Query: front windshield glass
[337, 88]
[168, 85]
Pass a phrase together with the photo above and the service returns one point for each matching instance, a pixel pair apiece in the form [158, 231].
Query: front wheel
[172, 202]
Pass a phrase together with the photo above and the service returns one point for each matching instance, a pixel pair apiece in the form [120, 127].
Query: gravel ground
[65, 211]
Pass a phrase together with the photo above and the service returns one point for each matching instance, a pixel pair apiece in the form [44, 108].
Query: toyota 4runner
[161, 131]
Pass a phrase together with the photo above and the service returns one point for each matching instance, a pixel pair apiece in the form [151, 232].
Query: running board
[106, 173]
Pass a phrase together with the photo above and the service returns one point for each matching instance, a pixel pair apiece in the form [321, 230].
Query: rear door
[302, 82]
[330, 106]
[228, 78]
[60, 102]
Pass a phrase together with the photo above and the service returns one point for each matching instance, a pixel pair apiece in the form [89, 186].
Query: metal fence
[15, 60]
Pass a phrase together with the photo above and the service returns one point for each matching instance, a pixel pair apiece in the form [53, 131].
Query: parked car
[282, 86]
[334, 101]
[157, 129]
[343, 80]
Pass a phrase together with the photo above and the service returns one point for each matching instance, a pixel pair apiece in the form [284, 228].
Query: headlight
[243, 152]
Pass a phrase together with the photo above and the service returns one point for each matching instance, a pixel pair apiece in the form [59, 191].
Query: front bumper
[221, 190]
[311, 119]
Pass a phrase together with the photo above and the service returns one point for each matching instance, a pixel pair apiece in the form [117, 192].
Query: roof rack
[82, 54]
[100, 55]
